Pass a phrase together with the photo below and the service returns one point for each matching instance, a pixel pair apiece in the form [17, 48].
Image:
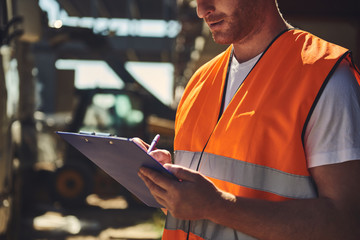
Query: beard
[236, 27]
[227, 36]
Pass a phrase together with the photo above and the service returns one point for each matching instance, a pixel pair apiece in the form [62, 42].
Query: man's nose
[204, 7]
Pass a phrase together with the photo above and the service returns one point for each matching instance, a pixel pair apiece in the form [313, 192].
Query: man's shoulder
[311, 44]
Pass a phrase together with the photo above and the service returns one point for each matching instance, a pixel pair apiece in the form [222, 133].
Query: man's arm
[335, 214]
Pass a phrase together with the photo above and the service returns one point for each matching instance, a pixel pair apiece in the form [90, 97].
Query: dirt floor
[100, 219]
[109, 212]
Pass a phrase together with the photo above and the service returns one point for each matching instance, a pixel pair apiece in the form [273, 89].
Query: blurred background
[114, 66]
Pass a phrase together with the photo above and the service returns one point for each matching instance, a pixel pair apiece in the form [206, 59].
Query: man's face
[231, 21]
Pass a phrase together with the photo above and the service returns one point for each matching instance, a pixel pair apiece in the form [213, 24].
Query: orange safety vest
[254, 149]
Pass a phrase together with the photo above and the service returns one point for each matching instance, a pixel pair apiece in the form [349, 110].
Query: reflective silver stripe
[249, 175]
[205, 229]
[187, 159]
[176, 224]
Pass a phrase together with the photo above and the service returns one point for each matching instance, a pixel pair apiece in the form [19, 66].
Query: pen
[153, 143]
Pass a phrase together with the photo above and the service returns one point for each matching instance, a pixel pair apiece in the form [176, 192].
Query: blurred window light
[156, 77]
[12, 85]
[58, 24]
[120, 27]
[104, 100]
[91, 74]
[52, 8]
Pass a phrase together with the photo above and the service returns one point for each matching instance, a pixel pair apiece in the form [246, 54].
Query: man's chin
[221, 40]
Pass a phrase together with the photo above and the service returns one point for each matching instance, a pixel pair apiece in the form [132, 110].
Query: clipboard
[120, 158]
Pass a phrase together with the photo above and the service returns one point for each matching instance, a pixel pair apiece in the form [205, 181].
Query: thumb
[185, 174]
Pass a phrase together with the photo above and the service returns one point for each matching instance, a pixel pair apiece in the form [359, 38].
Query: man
[266, 136]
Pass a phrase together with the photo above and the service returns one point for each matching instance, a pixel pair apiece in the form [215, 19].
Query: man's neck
[257, 42]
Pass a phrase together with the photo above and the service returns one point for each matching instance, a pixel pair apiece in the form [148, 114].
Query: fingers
[187, 199]
[156, 190]
[183, 173]
[154, 178]
[162, 156]
[140, 143]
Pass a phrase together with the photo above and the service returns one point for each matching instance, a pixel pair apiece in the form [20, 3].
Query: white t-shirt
[333, 131]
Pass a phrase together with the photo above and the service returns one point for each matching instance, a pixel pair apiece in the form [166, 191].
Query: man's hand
[161, 155]
[333, 215]
[192, 198]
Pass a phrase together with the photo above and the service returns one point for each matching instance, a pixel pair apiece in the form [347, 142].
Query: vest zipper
[188, 232]
[220, 113]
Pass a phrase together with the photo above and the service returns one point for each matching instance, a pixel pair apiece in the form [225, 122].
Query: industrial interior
[114, 66]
